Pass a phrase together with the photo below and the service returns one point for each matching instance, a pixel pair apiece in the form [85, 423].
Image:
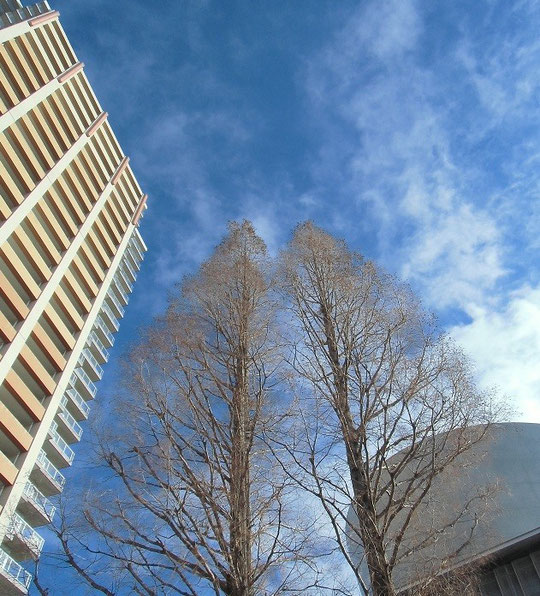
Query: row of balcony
[21, 540]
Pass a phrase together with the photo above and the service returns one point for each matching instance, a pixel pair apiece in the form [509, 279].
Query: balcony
[113, 320]
[14, 579]
[47, 478]
[95, 344]
[134, 260]
[35, 506]
[80, 379]
[129, 269]
[106, 334]
[75, 404]
[22, 540]
[58, 451]
[119, 290]
[68, 426]
[135, 248]
[115, 303]
[123, 278]
[95, 370]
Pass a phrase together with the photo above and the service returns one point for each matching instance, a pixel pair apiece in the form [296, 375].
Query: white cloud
[455, 254]
[505, 345]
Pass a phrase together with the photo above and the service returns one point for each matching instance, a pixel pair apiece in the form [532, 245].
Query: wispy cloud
[408, 128]
[420, 124]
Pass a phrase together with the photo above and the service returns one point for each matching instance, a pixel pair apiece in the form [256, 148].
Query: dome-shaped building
[505, 537]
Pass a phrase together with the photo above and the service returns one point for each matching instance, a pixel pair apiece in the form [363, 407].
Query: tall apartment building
[69, 253]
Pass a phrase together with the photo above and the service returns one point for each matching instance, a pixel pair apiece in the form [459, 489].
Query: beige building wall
[69, 254]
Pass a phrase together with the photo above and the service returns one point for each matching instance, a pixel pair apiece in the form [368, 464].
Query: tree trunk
[366, 512]
[240, 527]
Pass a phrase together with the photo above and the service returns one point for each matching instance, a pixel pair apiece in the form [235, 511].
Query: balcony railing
[123, 277]
[96, 368]
[100, 324]
[72, 425]
[54, 475]
[80, 375]
[129, 268]
[76, 398]
[116, 303]
[136, 238]
[94, 339]
[134, 260]
[114, 321]
[119, 290]
[61, 446]
[26, 534]
[14, 571]
[133, 244]
[39, 500]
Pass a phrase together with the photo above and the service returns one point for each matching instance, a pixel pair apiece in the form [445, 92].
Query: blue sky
[409, 128]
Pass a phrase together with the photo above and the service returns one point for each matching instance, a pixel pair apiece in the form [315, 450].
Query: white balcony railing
[119, 290]
[123, 277]
[100, 323]
[129, 268]
[116, 303]
[138, 241]
[90, 358]
[134, 260]
[26, 534]
[94, 339]
[62, 447]
[50, 470]
[14, 571]
[114, 321]
[73, 426]
[134, 245]
[76, 398]
[39, 500]
[85, 380]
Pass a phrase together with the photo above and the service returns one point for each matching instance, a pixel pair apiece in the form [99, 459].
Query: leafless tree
[218, 482]
[390, 410]
[199, 503]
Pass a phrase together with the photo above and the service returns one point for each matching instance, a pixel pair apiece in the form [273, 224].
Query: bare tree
[212, 473]
[199, 503]
[389, 411]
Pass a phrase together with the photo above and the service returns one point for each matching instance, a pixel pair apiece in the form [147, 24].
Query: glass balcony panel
[46, 476]
[134, 246]
[24, 540]
[115, 302]
[35, 506]
[102, 327]
[88, 359]
[84, 381]
[80, 407]
[113, 320]
[70, 426]
[124, 279]
[119, 290]
[129, 269]
[65, 452]
[16, 575]
[134, 262]
[95, 343]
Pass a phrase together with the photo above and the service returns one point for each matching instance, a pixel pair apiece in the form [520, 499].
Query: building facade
[500, 540]
[69, 254]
